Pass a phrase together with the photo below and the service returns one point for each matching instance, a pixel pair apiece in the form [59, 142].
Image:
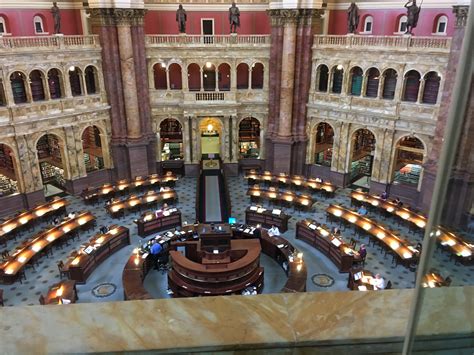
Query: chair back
[60, 265]
[41, 300]
[389, 285]
[447, 281]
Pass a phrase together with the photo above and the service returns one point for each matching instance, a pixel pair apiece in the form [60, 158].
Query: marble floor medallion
[104, 289]
[322, 280]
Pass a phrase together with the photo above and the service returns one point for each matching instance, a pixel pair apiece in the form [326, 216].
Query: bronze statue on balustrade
[181, 18]
[413, 13]
[56, 18]
[234, 18]
[352, 18]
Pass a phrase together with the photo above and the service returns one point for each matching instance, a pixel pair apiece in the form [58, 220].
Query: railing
[48, 42]
[395, 42]
[210, 96]
[202, 40]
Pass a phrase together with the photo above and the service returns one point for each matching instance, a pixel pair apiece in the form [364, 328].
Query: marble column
[186, 142]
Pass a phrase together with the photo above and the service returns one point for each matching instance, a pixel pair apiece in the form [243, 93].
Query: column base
[282, 157]
[427, 188]
[94, 178]
[231, 169]
[191, 169]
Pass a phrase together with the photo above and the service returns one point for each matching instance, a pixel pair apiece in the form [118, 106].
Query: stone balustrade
[47, 43]
[207, 41]
[399, 43]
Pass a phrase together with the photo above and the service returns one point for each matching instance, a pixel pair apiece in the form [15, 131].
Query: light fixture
[72, 68]
[210, 127]
[208, 65]
[339, 67]
[163, 65]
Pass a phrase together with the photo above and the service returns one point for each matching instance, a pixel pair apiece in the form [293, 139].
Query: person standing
[155, 251]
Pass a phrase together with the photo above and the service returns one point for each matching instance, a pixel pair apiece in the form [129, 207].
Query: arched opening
[441, 25]
[75, 81]
[356, 81]
[363, 151]
[3, 98]
[211, 133]
[224, 77]
[337, 78]
[159, 76]
[8, 177]
[38, 24]
[194, 77]
[171, 136]
[249, 138]
[368, 24]
[91, 80]
[17, 80]
[324, 144]
[412, 86]
[323, 78]
[242, 76]
[36, 85]
[92, 148]
[257, 76]
[431, 90]
[373, 78]
[209, 77]
[389, 84]
[402, 24]
[408, 161]
[50, 158]
[54, 83]
[176, 79]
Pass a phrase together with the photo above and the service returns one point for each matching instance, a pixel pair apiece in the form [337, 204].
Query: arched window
[75, 81]
[337, 77]
[408, 160]
[3, 25]
[209, 77]
[194, 77]
[402, 24]
[430, 93]
[54, 83]
[159, 74]
[38, 24]
[324, 144]
[223, 72]
[3, 99]
[441, 25]
[356, 81]
[257, 76]
[242, 76]
[412, 86]
[323, 78]
[91, 80]
[368, 24]
[50, 155]
[92, 148]
[176, 80]
[373, 78]
[389, 84]
[36, 85]
[171, 136]
[8, 177]
[362, 157]
[17, 80]
[249, 138]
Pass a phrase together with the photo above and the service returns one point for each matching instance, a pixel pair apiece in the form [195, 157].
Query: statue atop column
[181, 18]
[352, 18]
[413, 12]
[234, 18]
[56, 18]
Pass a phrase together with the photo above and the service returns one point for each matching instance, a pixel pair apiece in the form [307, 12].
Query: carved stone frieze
[281, 17]
[461, 12]
[117, 17]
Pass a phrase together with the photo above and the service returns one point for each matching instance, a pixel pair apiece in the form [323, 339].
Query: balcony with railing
[10, 45]
[214, 41]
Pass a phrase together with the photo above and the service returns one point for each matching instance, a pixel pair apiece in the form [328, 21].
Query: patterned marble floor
[110, 272]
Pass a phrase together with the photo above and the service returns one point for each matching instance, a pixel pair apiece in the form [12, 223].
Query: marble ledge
[283, 322]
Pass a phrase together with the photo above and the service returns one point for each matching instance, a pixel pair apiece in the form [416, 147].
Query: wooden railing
[210, 96]
[48, 42]
[202, 40]
[389, 42]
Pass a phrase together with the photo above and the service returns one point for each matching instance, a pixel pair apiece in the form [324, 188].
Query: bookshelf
[18, 89]
[52, 174]
[36, 85]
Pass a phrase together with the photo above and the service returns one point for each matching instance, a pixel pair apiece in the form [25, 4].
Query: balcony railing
[389, 42]
[48, 42]
[210, 96]
[202, 40]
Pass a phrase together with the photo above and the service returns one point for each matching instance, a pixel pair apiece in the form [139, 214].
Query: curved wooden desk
[117, 208]
[334, 247]
[101, 246]
[152, 222]
[258, 215]
[285, 197]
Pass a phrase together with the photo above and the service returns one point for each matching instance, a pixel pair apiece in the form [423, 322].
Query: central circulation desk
[258, 215]
[93, 253]
[152, 222]
[334, 247]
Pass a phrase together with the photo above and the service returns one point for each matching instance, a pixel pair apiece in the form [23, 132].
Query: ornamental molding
[117, 17]
[461, 13]
[281, 17]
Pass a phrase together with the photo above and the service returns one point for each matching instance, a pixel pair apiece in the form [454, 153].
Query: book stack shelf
[18, 89]
[37, 88]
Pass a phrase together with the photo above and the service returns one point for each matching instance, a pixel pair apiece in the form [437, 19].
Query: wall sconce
[72, 68]
[210, 127]
[340, 67]
[208, 65]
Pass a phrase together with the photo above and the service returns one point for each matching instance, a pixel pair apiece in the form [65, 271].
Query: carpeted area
[105, 283]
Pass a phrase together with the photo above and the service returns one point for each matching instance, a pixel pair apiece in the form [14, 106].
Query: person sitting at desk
[56, 221]
[257, 233]
[104, 229]
[378, 282]
[274, 231]
[362, 210]
[398, 202]
[158, 213]
[362, 251]
[318, 179]
[336, 231]
[155, 251]
[71, 215]
[384, 196]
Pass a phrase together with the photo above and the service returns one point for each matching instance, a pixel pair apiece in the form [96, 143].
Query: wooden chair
[21, 276]
[448, 281]
[62, 271]
[42, 300]
[5, 255]
[353, 243]
[389, 285]
[1, 298]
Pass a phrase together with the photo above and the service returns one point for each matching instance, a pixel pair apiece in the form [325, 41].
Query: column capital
[117, 17]
[461, 12]
[281, 17]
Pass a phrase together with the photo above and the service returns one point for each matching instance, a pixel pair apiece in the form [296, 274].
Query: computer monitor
[232, 220]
